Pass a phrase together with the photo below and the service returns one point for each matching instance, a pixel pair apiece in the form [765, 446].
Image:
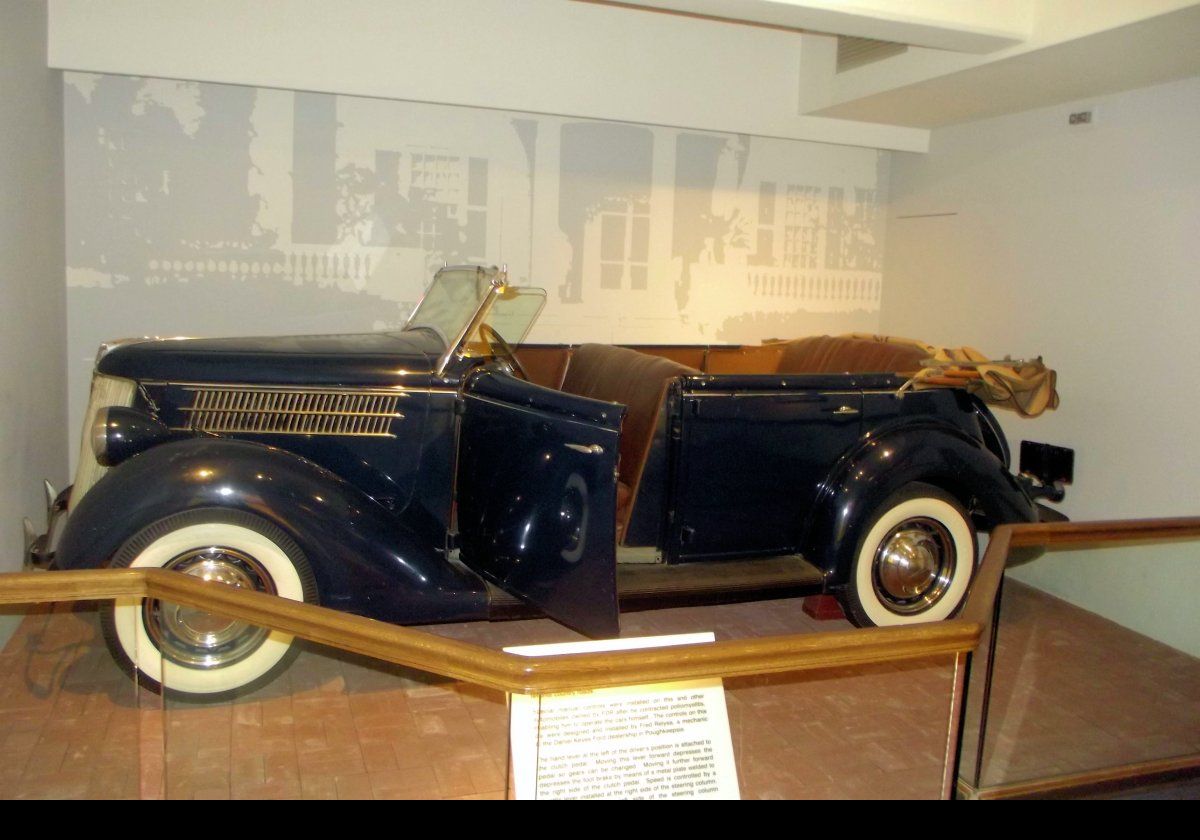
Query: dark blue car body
[425, 487]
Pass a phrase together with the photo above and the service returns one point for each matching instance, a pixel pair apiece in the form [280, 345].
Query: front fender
[365, 560]
[929, 452]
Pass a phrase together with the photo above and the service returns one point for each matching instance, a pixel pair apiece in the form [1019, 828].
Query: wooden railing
[978, 607]
[545, 674]
[492, 668]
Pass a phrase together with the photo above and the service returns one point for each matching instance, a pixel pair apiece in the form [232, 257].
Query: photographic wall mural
[205, 209]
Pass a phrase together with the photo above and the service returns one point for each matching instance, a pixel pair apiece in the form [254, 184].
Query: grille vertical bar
[292, 411]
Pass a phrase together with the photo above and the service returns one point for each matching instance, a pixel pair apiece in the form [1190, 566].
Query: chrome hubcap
[198, 639]
[913, 566]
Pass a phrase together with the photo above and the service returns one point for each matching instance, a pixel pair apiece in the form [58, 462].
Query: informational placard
[660, 741]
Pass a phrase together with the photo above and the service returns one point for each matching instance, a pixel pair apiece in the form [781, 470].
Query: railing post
[988, 672]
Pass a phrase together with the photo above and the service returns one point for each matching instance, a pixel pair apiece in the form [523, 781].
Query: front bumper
[39, 548]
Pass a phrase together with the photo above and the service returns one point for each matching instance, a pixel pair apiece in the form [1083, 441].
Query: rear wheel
[915, 561]
[192, 653]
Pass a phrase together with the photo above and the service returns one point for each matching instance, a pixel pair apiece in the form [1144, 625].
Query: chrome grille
[285, 411]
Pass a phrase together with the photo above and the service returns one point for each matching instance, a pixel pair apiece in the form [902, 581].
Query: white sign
[661, 741]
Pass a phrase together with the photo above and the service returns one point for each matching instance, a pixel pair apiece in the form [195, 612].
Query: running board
[643, 587]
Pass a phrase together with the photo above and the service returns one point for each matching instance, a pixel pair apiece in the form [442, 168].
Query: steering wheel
[500, 347]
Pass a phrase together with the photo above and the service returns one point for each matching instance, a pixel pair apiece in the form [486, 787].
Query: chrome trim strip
[107, 347]
[397, 390]
[783, 392]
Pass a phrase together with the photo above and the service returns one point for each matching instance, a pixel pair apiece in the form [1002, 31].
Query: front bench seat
[636, 380]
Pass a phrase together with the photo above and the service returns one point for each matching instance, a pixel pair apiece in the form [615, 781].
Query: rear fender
[927, 451]
[364, 558]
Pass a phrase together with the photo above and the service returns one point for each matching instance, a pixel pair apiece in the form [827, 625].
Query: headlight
[118, 433]
[106, 391]
[99, 436]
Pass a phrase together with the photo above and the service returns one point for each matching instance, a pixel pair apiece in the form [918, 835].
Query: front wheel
[915, 561]
[192, 653]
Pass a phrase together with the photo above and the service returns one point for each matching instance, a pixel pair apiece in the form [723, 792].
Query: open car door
[537, 495]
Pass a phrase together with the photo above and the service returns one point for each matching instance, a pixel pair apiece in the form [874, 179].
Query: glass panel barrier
[881, 731]
[344, 725]
[336, 725]
[1073, 698]
[871, 732]
[1057, 694]
[73, 724]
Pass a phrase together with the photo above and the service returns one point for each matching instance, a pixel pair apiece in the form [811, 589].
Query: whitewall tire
[191, 653]
[915, 561]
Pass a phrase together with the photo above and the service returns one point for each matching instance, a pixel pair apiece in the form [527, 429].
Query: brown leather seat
[828, 354]
[637, 381]
[544, 365]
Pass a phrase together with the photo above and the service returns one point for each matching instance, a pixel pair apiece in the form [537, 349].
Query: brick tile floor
[1073, 692]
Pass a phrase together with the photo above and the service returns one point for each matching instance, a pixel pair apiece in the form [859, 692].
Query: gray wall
[208, 209]
[1024, 235]
[33, 429]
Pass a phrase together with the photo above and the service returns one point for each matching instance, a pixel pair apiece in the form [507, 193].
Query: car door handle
[594, 449]
[845, 411]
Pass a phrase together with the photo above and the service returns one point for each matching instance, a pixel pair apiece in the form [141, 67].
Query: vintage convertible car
[438, 474]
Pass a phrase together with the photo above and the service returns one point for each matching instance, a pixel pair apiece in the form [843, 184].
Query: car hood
[366, 359]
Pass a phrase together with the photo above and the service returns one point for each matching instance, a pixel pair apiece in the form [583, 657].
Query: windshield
[474, 311]
[509, 320]
[451, 301]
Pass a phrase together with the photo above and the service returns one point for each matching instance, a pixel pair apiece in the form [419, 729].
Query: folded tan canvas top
[1026, 386]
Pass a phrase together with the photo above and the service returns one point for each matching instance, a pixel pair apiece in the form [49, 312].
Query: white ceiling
[973, 59]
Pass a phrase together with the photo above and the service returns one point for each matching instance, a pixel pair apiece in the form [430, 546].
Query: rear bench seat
[547, 365]
[827, 354]
[636, 380]
[815, 354]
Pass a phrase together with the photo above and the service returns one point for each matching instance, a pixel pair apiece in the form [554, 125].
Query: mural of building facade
[204, 209]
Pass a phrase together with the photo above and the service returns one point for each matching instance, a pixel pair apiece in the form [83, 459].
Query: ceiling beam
[1140, 54]
[1077, 50]
[980, 26]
